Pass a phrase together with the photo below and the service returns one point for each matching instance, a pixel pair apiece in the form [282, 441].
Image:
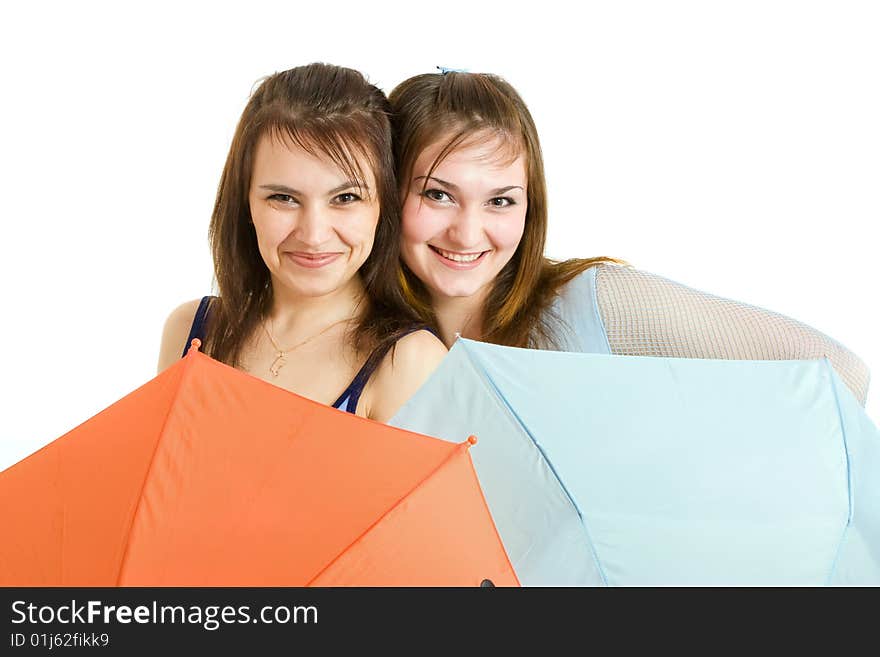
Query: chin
[459, 288]
[313, 288]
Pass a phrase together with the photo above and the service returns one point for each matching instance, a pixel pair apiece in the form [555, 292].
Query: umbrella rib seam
[482, 495]
[487, 381]
[187, 363]
[457, 448]
[849, 516]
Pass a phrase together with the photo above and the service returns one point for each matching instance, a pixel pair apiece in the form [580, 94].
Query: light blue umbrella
[626, 470]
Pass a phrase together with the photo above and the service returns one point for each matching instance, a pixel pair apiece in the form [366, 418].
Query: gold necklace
[280, 359]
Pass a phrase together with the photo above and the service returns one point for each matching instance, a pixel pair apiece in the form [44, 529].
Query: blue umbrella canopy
[626, 470]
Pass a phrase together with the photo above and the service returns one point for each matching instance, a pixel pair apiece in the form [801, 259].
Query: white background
[731, 146]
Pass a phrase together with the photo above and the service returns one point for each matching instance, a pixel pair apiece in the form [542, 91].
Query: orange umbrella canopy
[207, 476]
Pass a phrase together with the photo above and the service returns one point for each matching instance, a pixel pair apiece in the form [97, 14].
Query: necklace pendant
[277, 364]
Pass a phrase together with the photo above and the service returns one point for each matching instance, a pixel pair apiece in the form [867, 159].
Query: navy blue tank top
[347, 401]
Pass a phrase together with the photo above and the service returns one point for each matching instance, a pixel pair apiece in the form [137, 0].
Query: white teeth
[458, 257]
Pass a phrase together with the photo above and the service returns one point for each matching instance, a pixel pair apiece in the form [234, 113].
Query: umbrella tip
[195, 344]
[472, 440]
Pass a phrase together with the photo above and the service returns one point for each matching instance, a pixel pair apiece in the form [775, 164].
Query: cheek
[267, 227]
[506, 233]
[420, 222]
[359, 230]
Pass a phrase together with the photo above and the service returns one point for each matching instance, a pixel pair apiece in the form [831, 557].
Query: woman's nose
[313, 226]
[466, 229]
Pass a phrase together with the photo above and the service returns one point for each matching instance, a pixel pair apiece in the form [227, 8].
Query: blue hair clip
[444, 70]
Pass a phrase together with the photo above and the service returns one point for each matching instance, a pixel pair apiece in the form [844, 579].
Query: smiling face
[315, 227]
[460, 232]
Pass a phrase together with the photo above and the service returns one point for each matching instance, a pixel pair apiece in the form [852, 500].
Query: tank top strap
[349, 398]
[197, 330]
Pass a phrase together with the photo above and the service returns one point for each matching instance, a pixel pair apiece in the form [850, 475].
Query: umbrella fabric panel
[208, 476]
[667, 447]
[858, 561]
[398, 552]
[77, 496]
[526, 500]
[679, 471]
[683, 551]
[306, 479]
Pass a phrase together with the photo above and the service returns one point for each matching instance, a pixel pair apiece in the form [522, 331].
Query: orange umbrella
[207, 476]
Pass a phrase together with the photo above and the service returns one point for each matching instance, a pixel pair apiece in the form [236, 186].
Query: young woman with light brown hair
[474, 229]
[305, 239]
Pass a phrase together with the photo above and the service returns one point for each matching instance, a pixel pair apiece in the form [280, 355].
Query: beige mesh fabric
[647, 315]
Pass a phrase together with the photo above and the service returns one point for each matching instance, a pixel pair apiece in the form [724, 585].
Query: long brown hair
[469, 106]
[327, 110]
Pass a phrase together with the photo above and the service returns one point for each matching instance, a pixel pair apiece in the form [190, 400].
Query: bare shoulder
[413, 359]
[403, 371]
[418, 348]
[175, 333]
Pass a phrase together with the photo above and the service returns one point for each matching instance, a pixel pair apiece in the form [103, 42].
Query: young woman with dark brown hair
[474, 228]
[305, 238]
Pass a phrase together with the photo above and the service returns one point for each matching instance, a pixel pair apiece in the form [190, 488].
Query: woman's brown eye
[436, 195]
[347, 198]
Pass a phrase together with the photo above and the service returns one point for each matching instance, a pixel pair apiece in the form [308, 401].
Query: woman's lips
[458, 261]
[312, 260]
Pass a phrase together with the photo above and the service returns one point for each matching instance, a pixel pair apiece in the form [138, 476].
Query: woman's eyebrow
[348, 184]
[281, 189]
[500, 190]
[284, 189]
[450, 185]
